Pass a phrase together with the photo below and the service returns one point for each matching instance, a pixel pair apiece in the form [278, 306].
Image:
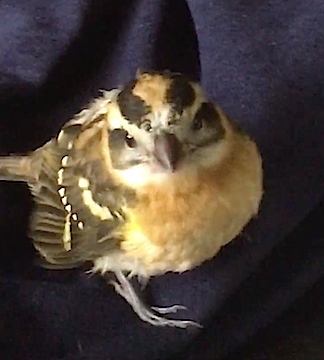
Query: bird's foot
[124, 288]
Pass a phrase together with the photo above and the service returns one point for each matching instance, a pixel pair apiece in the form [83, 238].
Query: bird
[151, 177]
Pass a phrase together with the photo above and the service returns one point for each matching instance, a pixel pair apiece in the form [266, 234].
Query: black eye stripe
[207, 116]
[197, 123]
[119, 137]
[206, 113]
[180, 94]
[132, 107]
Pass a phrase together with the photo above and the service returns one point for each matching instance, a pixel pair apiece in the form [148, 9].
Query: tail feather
[16, 168]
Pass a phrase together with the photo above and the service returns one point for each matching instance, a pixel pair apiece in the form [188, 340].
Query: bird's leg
[124, 288]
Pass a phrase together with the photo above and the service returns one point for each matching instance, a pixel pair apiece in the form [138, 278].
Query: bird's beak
[167, 150]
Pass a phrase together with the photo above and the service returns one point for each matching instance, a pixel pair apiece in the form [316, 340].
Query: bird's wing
[77, 206]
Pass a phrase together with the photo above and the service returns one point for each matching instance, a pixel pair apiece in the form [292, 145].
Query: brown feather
[196, 214]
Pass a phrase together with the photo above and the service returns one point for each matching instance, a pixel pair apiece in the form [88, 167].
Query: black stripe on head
[132, 107]
[180, 94]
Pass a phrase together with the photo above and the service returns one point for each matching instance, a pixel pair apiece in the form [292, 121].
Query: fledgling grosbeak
[150, 178]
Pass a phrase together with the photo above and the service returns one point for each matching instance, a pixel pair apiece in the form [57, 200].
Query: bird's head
[161, 124]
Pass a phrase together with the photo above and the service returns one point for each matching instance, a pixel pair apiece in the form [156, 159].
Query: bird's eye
[174, 119]
[198, 123]
[146, 125]
[206, 116]
[130, 141]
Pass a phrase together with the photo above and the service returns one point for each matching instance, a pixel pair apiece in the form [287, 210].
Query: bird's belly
[178, 230]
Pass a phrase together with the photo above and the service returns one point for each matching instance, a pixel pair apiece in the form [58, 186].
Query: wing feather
[90, 236]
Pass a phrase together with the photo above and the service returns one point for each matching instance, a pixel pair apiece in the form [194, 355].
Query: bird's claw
[168, 310]
[124, 288]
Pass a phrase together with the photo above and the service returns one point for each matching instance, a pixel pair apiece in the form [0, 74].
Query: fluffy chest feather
[180, 224]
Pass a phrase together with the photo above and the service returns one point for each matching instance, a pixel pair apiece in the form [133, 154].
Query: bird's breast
[179, 225]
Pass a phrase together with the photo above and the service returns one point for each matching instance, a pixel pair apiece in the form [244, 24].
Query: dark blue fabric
[262, 61]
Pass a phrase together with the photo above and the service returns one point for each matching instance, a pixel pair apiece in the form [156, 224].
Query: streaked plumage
[149, 179]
